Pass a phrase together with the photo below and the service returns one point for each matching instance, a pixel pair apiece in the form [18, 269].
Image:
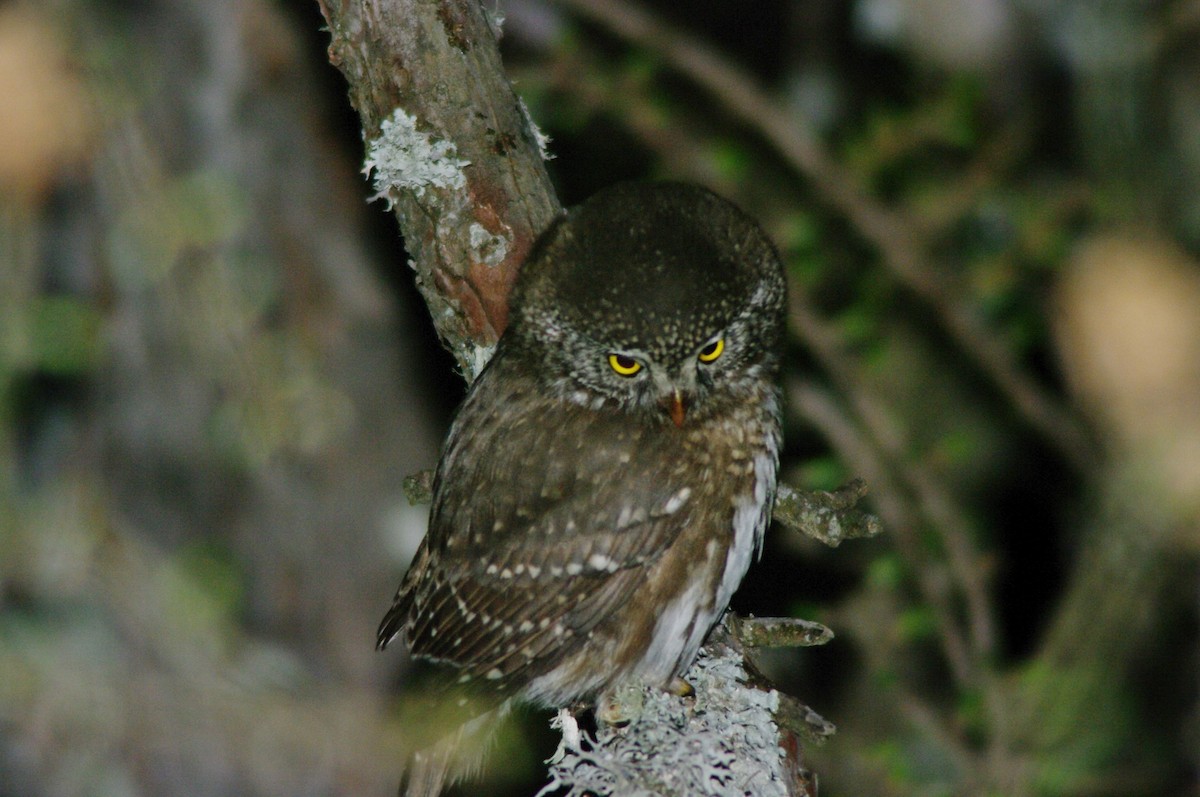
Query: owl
[610, 474]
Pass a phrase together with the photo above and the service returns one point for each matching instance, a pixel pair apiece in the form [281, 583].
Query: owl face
[662, 299]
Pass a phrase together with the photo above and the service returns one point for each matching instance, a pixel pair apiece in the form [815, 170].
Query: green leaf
[917, 624]
[65, 336]
[729, 159]
[822, 473]
[885, 572]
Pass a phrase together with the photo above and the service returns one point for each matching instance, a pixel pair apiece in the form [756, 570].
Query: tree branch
[830, 517]
[452, 150]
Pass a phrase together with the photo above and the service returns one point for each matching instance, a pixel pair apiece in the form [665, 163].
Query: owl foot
[681, 688]
[622, 706]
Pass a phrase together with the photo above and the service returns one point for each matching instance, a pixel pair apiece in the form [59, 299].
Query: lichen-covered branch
[725, 741]
[777, 632]
[830, 517]
[450, 148]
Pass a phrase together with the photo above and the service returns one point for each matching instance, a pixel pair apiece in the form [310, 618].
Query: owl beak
[674, 406]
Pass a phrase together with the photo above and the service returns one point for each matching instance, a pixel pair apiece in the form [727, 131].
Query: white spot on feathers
[676, 502]
[599, 561]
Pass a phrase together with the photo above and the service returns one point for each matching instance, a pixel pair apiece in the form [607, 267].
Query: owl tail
[457, 755]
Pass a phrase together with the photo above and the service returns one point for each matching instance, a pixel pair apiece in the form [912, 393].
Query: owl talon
[614, 713]
[571, 736]
[681, 688]
[622, 706]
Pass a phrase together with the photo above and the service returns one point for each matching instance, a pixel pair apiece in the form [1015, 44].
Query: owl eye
[712, 351]
[623, 364]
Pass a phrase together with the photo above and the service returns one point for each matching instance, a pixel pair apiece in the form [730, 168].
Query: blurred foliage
[211, 389]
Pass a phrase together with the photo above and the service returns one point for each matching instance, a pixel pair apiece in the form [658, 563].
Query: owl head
[662, 298]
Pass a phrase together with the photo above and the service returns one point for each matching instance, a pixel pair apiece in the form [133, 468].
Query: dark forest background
[215, 373]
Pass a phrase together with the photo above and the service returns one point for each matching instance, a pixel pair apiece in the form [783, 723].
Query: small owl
[610, 474]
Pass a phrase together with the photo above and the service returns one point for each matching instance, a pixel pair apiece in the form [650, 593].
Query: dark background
[215, 372]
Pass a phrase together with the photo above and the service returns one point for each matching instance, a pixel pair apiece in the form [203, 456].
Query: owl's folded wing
[519, 579]
[534, 596]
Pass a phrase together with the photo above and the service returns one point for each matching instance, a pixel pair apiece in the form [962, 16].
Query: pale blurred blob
[956, 34]
[1129, 335]
[45, 122]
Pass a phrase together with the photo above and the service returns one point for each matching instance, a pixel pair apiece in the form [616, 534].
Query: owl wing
[542, 524]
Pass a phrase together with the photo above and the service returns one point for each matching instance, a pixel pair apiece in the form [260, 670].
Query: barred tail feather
[457, 755]
[428, 770]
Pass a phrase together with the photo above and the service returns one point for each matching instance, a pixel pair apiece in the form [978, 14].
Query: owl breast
[684, 622]
[684, 592]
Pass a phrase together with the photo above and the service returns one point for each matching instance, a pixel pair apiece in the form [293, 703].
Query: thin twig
[831, 517]
[777, 632]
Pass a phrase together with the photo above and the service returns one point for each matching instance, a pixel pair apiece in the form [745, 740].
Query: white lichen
[724, 743]
[404, 158]
[543, 140]
[477, 358]
[496, 18]
[490, 248]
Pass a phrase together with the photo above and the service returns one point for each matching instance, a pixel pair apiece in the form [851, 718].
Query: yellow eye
[712, 351]
[623, 364]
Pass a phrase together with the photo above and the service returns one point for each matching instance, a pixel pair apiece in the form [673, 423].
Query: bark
[452, 150]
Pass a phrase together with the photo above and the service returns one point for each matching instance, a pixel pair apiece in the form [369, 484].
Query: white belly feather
[684, 623]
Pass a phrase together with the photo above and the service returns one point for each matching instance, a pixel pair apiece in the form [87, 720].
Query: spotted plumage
[609, 476]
